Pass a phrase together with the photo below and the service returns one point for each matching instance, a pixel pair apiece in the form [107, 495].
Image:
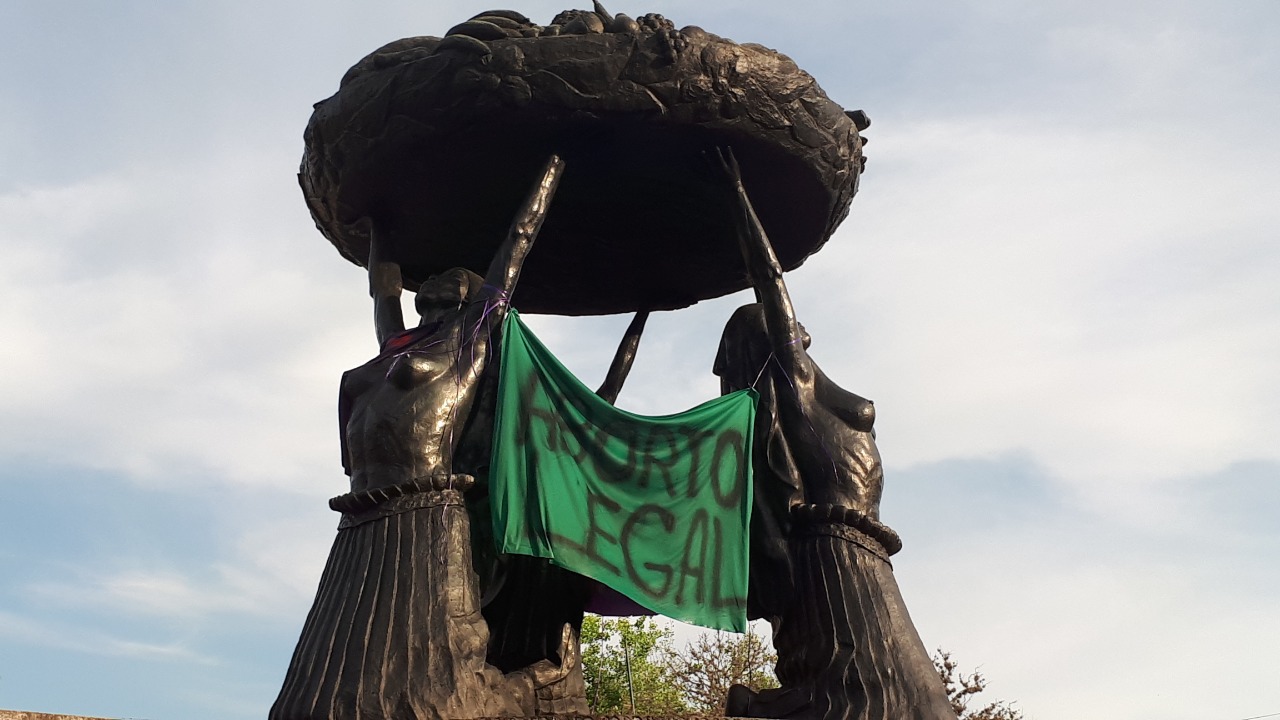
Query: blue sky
[1058, 282]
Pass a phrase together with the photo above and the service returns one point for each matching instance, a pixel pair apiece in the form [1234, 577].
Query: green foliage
[667, 680]
[609, 646]
[716, 661]
[695, 679]
[961, 689]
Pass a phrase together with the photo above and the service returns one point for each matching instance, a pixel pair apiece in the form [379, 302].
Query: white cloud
[1019, 287]
[1065, 609]
[193, 348]
[270, 571]
[1065, 615]
[68, 636]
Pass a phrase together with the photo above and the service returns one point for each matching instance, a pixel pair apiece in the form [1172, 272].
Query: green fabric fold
[657, 508]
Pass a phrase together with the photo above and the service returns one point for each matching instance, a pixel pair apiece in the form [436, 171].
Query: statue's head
[745, 348]
[446, 293]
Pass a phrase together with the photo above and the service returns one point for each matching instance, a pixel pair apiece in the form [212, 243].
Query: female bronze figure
[820, 555]
[395, 629]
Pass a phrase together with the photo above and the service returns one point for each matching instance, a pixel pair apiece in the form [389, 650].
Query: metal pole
[598, 682]
[626, 658]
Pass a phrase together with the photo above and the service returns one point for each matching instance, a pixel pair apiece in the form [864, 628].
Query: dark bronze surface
[396, 629]
[429, 137]
[820, 556]
[415, 169]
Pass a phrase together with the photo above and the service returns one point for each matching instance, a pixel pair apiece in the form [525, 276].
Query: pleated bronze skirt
[847, 637]
[395, 630]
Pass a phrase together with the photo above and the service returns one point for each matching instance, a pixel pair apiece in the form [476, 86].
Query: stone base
[620, 717]
[20, 715]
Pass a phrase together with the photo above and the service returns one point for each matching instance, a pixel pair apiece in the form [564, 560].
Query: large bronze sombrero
[438, 140]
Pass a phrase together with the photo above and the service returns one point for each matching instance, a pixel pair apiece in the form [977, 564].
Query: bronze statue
[820, 555]
[430, 136]
[396, 629]
[412, 168]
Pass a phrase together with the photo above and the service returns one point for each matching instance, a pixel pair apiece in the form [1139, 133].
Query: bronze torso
[830, 433]
[408, 408]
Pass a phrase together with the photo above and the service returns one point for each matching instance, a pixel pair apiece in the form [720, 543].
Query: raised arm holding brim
[788, 338]
[820, 555]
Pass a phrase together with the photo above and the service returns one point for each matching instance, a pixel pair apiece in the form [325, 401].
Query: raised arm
[385, 286]
[623, 359]
[504, 269]
[765, 272]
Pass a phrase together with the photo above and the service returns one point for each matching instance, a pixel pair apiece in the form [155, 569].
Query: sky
[1058, 282]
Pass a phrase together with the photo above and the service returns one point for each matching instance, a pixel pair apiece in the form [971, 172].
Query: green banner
[656, 508]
